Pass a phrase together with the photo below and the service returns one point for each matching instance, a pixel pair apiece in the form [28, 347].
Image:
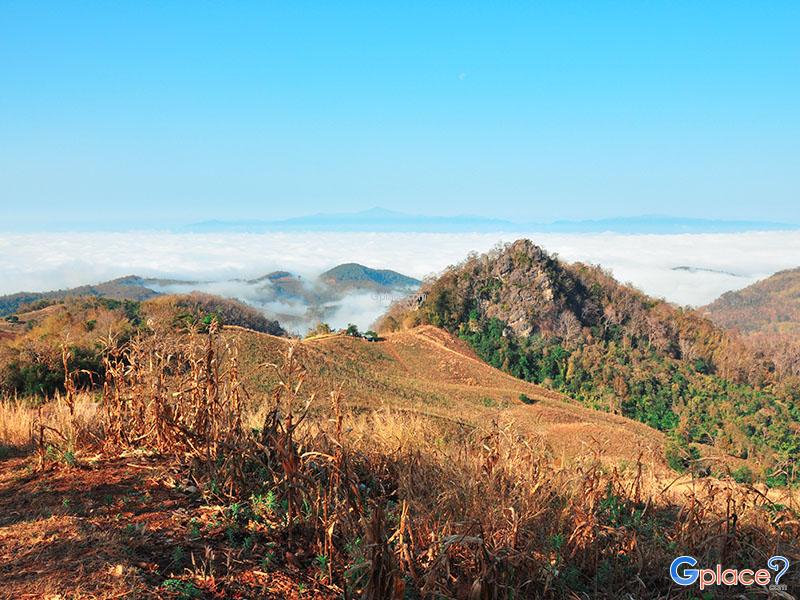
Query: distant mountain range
[382, 220]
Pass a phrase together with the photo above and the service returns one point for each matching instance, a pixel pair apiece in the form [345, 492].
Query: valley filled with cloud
[688, 269]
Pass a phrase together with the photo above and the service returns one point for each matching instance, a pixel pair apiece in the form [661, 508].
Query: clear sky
[182, 111]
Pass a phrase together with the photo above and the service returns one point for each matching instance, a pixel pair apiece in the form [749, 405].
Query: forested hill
[124, 288]
[574, 328]
[354, 274]
[772, 304]
[767, 315]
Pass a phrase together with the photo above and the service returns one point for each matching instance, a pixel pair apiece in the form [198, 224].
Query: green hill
[354, 274]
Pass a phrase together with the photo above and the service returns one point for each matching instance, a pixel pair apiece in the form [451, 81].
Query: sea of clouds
[718, 262]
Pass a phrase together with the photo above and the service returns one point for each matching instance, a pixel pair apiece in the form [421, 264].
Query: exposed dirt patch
[125, 527]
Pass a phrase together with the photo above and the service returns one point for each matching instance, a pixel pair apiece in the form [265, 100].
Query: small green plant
[264, 505]
[557, 541]
[612, 507]
[232, 535]
[51, 453]
[135, 528]
[525, 399]
[69, 458]
[356, 572]
[777, 479]
[269, 557]
[178, 557]
[488, 402]
[194, 529]
[184, 589]
[353, 547]
[321, 563]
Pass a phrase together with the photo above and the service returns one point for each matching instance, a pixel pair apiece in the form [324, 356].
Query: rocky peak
[519, 284]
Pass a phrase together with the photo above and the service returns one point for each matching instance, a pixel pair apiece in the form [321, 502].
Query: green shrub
[777, 480]
[185, 590]
[680, 455]
[743, 475]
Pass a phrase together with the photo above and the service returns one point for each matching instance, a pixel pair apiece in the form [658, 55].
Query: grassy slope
[430, 372]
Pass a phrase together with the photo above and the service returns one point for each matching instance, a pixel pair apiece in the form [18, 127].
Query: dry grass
[388, 503]
[26, 424]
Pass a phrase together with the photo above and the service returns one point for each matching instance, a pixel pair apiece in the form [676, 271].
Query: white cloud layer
[45, 261]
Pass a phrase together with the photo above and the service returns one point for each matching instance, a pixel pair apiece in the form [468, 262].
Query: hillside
[428, 372]
[351, 469]
[770, 305]
[185, 455]
[130, 287]
[354, 274]
[767, 315]
[32, 343]
[573, 328]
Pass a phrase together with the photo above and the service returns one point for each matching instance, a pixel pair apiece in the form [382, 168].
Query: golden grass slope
[431, 373]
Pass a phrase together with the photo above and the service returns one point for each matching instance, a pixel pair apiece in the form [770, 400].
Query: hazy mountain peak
[382, 219]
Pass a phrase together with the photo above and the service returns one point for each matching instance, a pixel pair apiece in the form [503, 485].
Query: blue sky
[170, 112]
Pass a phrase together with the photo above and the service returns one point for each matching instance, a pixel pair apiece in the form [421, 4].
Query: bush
[526, 399]
[743, 475]
[680, 455]
[28, 375]
[777, 480]
[321, 329]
